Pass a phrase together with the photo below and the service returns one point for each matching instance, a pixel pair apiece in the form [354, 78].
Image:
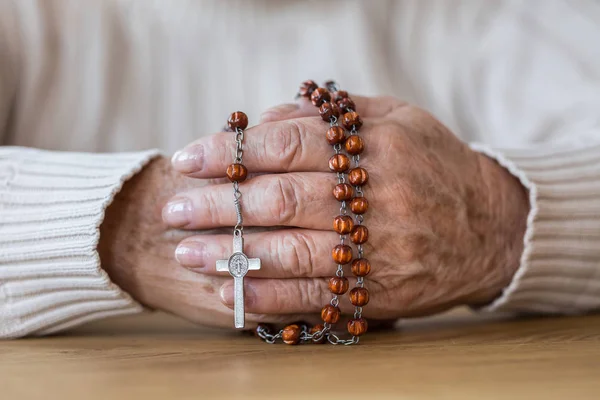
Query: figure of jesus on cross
[238, 265]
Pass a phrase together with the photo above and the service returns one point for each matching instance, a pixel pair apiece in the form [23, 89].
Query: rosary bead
[361, 267]
[354, 144]
[338, 285]
[352, 120]
[330, 314]
[291, 334]
[346, 104]
[237, 173]
[315, 329]
[359, 205]
[343, 192]
[329, 110]
[307, 87]
[339, 163]
[357, 326]
[343, 224]
[319, 96]
[358, 176]
[359, 296]
[335, 134]
[359, 234]
[342, 254]
[237, 120]
[339, 95]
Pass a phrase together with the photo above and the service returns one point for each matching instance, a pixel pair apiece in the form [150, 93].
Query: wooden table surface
[455, 356]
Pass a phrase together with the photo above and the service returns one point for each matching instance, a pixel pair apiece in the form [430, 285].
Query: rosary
[335, 106]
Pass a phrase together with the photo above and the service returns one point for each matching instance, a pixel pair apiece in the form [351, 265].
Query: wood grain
[456, 356]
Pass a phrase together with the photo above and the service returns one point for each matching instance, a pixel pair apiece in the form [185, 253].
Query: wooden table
[456, 356]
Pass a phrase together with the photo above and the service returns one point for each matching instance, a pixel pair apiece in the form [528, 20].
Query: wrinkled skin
[446, 223]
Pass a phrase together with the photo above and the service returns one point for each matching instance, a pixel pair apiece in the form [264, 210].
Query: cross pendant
[238, 265]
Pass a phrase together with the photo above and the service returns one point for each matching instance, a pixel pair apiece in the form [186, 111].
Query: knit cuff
[559, 269]
[51, 208]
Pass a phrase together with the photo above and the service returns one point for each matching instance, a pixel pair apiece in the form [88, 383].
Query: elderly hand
[446, 223]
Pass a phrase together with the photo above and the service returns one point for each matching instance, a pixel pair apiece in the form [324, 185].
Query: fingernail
[191, 254]
[226, 293]
[189, 159]
[177, 212]
[276, 113]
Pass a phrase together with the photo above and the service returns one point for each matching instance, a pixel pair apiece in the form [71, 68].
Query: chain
[324, 332]
[237, 195]
[358, 220]
[341, 178]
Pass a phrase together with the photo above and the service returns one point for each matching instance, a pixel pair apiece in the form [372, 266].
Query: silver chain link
[237, 195]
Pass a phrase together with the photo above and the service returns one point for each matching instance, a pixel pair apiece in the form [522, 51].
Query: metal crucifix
[238, 265]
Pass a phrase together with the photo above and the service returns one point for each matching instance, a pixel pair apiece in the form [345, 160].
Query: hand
[136, 250]
[446, 223]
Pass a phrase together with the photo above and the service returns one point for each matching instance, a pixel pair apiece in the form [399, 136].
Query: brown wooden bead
[330, 314]
[358, 176]
[359, 296]
[343, 224]
[355, 144]
[339, 95]
[307, 87]
[237, 172]
[315, 329]
[329, 110]
[352, 120]
[361, 267]
[346, 104]
[359, 205]
[339, 163]
[335, 134]
[291, 334]
[338, 285]
[342, 254]
[237, 120]
[357, 326]
[343, 192]
[320, 96]
[359, 234]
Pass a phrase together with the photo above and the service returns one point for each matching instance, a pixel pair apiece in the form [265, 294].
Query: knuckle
[217, 151]
[392, 104]
[295, 253]
[284, 199]
[213, 212]
[285, 144]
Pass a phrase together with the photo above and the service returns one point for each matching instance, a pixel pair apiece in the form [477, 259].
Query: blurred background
[109, 75]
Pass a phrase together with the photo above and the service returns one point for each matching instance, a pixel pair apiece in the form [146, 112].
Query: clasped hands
[446, 223]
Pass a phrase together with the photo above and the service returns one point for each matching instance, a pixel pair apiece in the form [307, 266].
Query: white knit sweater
[523, 78]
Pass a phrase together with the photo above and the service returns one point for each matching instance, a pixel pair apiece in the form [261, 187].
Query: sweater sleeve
[559, 270]
[51, 207]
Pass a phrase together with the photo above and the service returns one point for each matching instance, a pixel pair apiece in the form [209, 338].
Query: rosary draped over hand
[332, 104]
[446, 222]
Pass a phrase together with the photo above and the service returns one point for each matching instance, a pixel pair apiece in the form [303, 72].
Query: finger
[367, 107]
[284, 296]
[288, 111]
[280, 320]
[290, 253]
[284, 146]
[300, 200]
[296, 142]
